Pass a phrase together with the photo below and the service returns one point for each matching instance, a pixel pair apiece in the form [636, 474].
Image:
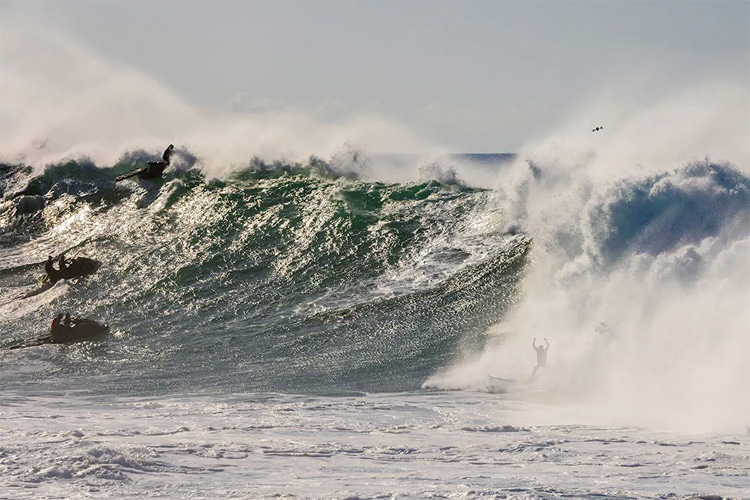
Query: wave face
[284, 277]
[303, 278]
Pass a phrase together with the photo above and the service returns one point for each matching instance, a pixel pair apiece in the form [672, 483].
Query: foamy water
[455, 445]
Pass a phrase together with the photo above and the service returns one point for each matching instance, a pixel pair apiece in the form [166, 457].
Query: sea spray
[71, 102]
[639, 273]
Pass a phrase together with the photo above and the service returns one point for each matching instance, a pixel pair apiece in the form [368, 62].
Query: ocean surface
[302, 330]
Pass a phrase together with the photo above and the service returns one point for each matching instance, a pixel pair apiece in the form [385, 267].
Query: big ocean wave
[282, 277]
[309, 278]
[626, 248]
[301, 277]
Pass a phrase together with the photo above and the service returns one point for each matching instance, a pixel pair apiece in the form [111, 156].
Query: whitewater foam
[632, 283]
[408, 445]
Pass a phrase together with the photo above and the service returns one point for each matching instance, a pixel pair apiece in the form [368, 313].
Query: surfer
[65, 332]
[60, 329]
[541, 355]
[152, 170]
[156, 168]
[52, 273]
[167, 154]
[62, 263]
[55, 322]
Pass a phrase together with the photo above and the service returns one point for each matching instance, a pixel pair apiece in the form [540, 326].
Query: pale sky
[473, 76]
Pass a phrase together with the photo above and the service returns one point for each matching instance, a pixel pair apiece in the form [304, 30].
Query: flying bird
[597, 129]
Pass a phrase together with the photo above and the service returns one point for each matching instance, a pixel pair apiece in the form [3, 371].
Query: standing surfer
[156, 168]
[167, 154]
[153, 169]
[541, 355]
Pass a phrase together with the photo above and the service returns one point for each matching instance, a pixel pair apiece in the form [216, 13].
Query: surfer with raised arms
[541, 355]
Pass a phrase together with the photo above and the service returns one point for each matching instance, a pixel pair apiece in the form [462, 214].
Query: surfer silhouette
[541, 355]
[52, 273]
[58, 327]
[167, 154]
[55, 322]
[63, 331]
[63, 262]
[156, 168]
[153, 170]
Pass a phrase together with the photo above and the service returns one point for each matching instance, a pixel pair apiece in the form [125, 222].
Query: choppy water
[416, 445]
[273, 280]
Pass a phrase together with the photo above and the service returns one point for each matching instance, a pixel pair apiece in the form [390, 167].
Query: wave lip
[663, 212]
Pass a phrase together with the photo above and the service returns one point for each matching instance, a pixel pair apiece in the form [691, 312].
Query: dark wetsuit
[54, 274]
[156, 168]
[62, 333]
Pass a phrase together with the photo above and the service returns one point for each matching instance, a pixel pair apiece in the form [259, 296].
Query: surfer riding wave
[156, 168]
[153, 170]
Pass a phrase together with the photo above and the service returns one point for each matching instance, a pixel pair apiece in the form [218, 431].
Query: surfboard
[33, 343]
[82, 329]
[499, 385]
[130, 174]
[45, 286]
[154, 170]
